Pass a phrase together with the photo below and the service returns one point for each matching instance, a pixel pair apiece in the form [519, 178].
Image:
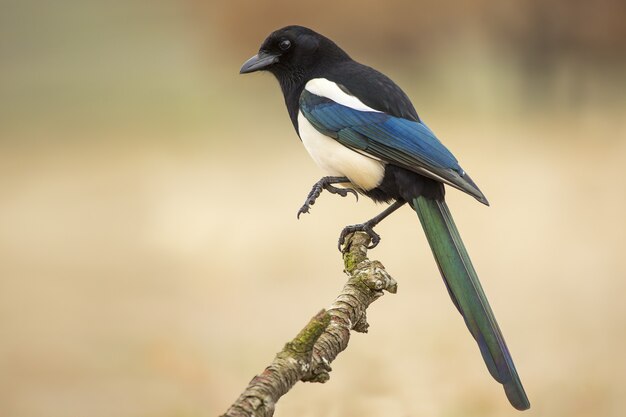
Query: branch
[308, 356]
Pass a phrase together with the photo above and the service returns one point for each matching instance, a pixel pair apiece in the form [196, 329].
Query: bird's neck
[292, 99]
[292, 86]
[292, 80]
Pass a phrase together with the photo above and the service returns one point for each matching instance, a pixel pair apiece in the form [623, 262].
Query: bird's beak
[258, 62]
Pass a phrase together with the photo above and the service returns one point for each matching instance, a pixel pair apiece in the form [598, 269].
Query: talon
[363, 227]
[356, 195]
[341, 191]
[350, 190]
[325, 184]
[375, 240]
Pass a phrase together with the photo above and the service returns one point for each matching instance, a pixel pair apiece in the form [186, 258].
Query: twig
[308, 356]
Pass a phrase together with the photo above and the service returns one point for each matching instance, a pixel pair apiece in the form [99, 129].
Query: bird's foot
[363, 227]
[326, 184]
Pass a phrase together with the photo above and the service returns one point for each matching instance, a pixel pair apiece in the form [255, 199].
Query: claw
[341, 191]
[302, 210]
[363, 227]
[326, 184]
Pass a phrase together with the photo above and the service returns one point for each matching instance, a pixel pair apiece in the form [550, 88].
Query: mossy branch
[308, 356]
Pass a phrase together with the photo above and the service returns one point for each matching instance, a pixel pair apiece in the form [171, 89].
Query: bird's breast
[365, 172]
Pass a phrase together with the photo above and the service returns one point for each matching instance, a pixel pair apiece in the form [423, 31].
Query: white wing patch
[324, 88]
[335, 159]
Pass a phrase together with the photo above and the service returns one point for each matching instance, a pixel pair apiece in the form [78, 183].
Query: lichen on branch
[308, 356]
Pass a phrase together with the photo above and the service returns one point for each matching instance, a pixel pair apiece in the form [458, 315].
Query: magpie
[365, 134]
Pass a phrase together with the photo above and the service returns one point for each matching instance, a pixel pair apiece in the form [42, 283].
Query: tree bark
[308, 356]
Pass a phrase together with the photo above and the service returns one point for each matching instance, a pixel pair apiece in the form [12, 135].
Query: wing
[402, 142]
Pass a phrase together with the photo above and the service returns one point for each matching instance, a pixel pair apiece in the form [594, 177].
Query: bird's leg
[368, 226]
[326, 184]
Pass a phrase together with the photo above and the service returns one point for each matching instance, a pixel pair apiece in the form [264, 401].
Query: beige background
[150, 258]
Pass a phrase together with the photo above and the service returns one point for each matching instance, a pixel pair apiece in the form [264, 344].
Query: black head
[294, 53]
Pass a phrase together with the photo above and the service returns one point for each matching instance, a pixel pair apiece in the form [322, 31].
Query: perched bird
[363, 131]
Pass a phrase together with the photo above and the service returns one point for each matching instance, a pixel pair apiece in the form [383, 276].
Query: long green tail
[468, 296]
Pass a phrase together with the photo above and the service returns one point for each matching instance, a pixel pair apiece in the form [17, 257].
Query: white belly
[335, 159]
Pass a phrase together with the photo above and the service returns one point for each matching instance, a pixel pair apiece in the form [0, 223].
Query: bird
[364, 133]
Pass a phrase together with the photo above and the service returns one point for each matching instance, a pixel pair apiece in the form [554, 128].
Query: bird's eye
[284, 45]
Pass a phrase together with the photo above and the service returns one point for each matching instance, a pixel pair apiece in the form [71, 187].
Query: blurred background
[151, 262]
